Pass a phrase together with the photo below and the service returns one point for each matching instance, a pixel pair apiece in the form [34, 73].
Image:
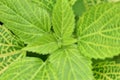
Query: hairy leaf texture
[25, 19]
[9, 49]
[106, 71]
[29, 69]
[99, 31]
[63, 19]
[46, 44]
[71, 65]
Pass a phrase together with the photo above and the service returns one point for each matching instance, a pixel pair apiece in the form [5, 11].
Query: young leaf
[46, 44]
[29, 69]
[99, 31]
[70, 65]
[25, 19]
[63, 19]
[9, 49]
[106, 71]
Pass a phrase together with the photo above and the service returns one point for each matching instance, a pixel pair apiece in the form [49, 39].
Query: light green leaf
[69, 41]
[49, 4]
[71, 65]
[9, 49]
[46, 44]
[89, 3]
[29, 69]
[46, 4]
[63, 19]
[99, 31]
[72, 2]
[25, 19]
[106, 71]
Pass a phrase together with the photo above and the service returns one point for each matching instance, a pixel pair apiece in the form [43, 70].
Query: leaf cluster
[75, 38]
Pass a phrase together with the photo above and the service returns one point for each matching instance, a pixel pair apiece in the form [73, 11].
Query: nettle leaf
[49, 4]
[46, 4]
[46, 44]
[29, 69]
[71, 65]
[63, 19]
[106, 71]
[9, 49]
[99, 31]
[25, 19]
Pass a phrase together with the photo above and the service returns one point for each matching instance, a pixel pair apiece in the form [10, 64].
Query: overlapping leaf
[99, 31]
[25, 19]
[46, 44]
[9, 49]
[29, 69]
[49, 4]
[46, 4]
[107, 71]
[63, 19]
[71, 65]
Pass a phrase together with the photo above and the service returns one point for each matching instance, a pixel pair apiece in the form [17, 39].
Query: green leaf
[29, 69]
[106, 71]
[79, 7]
[99, 31]
[89, 3]
[71, 65]
[46, 4]
[63, 19]
[69, 41]
[49, 4]
[72, 2]
[9, 49]
[25, 19]
[46, 44]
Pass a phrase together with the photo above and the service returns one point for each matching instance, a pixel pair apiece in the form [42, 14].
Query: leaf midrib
[99, 17]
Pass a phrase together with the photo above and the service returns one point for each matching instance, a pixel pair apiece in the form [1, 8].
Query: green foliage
[43, 45]
[100, 34]
[106, 71]
[71, 65]
[26, 20]
[52, 28]
[63, 19]
[10, 49]
[34, 69]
